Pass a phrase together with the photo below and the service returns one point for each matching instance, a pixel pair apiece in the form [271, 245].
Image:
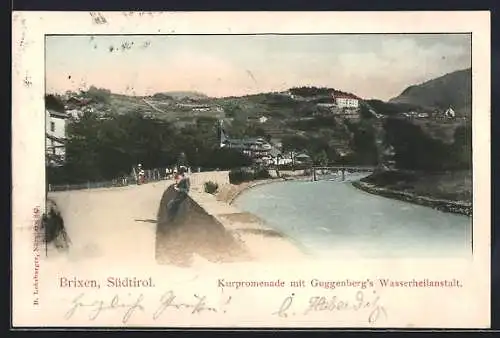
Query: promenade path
[120, 224]
[112, 223]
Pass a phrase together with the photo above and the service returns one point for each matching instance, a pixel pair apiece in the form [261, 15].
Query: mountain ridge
[453, 89]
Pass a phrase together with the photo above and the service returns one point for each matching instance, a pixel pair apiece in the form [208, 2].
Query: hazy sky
[370, 66]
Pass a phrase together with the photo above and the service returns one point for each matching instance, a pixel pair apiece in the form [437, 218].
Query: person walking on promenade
[182, 186]
[140, 174]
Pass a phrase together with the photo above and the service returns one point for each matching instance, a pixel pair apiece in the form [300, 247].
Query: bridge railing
[350, 168]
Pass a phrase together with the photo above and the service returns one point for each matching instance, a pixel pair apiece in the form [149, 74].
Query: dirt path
[114, 224]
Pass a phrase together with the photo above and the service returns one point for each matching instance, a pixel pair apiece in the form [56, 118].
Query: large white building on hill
[55, 137]
[346, 101]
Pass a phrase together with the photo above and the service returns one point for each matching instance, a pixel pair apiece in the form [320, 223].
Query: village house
[302, 158]
[410, 114]
[287, 93]
[351, 113]
[414, 114]
[75, 114]
[55, 137]
[374, 113]
[201, 109]
[258, 119]
[194, 106]
[256, 148]
[74, 102]
[449, 113]
[341, 112]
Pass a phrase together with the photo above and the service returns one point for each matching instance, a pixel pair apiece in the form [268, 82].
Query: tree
[98, 94]
[462, 147]
[294, 143]
[321, 158]
[226, 158]
[182, 160]
[415, 150]
[162, 96]
[363, 142]
[52, 102]
[101, 150]
[364, 112]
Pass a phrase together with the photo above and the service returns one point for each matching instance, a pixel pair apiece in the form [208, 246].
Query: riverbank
[261, 243]
[445, 192]
[229, 192]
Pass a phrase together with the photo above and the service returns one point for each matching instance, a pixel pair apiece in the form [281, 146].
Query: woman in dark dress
[182, 186]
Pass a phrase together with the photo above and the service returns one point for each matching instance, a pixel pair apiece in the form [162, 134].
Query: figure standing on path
[182, 185]
[140, 174]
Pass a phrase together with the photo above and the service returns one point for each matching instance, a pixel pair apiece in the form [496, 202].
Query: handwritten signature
[167, 300]
[321, 304]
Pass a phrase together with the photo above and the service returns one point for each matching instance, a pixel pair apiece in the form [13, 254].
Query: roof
[345, 96]
[54, 113]
[54, 138]
[248, 140]
[274, 152]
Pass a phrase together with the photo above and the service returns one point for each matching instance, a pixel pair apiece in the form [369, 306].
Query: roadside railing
[150, 175]
[198, 177]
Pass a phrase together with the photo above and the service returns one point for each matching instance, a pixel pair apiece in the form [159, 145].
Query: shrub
[240, 175]
[237, 176]
[211, 187]
[390, 178]
[261, 173]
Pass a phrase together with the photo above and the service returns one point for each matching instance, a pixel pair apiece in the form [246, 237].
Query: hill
[181, 95]
[453, 89]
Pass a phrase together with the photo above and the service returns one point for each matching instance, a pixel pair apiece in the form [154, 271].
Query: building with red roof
[344, 100]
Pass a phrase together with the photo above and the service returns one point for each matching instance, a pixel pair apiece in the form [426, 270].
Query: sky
[370, 66]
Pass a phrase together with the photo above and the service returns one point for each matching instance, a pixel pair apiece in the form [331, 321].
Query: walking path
[119, 224]
[112, 223]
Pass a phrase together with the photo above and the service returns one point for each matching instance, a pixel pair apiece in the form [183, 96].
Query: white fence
[197, 180]
[151, 175]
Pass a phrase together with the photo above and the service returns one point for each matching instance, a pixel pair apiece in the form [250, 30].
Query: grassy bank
[449, 191]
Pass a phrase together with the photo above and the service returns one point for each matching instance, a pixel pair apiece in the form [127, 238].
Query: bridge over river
[329, 172]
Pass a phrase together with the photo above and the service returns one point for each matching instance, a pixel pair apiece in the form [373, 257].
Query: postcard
[251, 170]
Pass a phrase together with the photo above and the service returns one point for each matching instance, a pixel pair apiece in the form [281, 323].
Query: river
[331, 217]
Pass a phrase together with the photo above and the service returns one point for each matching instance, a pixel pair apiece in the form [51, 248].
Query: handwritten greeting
[93, 308]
